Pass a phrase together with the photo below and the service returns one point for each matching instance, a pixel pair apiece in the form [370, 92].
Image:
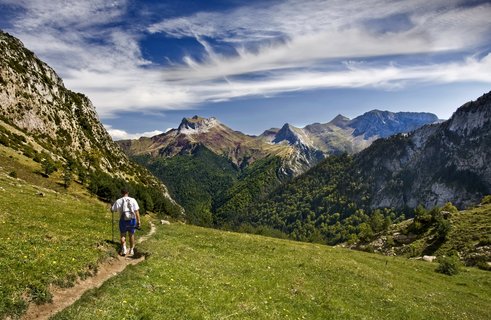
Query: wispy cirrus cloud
[306, 34]
[276, 47]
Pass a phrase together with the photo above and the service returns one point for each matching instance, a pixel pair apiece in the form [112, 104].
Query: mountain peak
[197, 125]
[385, 123]
[340, 121]
[292, 135]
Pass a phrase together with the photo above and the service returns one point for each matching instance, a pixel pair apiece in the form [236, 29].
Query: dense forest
[328, 204]
[197, 180]
[211, 188]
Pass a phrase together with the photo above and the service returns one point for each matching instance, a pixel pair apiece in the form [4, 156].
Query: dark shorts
[127, 226]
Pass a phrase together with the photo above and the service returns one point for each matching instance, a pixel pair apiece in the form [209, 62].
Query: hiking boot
[132, 252]
[123, 251]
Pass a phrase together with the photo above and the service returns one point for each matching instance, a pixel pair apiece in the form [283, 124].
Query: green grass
[198, 273]
[50, 239]
[469, 236]
[470, 229]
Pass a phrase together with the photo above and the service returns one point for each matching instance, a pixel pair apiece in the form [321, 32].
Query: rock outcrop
[56, 121]
[435, 164]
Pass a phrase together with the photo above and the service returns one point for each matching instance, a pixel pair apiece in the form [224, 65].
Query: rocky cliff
[55, 121]
[34, 99]
[316, 141]
[434, 164]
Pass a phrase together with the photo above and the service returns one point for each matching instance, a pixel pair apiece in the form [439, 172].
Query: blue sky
[258, 64]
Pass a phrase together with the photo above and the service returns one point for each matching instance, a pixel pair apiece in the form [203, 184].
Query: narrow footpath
[64, 297]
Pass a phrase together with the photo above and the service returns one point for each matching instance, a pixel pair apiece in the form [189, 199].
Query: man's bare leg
[132, 241]
[123, 243]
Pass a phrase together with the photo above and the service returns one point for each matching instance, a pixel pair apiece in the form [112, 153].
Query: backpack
[127, 209]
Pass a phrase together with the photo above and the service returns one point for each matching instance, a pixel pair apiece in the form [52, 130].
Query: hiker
[129, 219]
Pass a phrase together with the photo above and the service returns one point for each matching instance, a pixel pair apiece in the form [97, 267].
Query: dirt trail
[64, 297]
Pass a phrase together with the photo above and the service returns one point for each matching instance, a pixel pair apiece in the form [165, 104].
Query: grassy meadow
[50, 239]
[198, 273]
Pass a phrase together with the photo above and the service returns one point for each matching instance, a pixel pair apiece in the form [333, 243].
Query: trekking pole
[112, 222]
[112, 225]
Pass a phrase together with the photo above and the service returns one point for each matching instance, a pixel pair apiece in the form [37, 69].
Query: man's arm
[114, 207]
[137, 214]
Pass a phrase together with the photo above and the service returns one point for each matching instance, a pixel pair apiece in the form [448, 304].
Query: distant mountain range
[239, 148]
[300, 148]
[316, 141]
[215, 171]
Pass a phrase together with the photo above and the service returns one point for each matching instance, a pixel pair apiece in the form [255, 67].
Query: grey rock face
[316, 141]
[58, 121]
[434, 164]
[33, 98]
[383, 124]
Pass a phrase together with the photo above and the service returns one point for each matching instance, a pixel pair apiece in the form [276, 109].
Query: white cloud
[286, 46]
[305, 34]
[78, 15]
[118, 134]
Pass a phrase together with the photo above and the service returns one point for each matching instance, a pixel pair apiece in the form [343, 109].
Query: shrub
[450, 208]
[443, 228]
[448, 265]
[67, 177]
[4, 140]
[366, 232]
[48, 166]
[40, 294]
[483, 265]
[390, 241]
[486, 199]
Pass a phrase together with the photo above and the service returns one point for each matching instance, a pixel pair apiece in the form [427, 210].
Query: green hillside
[211, 188]
[48, 235]
[197, 180]
[198, 273]
[440, 232]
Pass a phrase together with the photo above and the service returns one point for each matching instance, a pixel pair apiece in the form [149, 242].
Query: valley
[260, 226]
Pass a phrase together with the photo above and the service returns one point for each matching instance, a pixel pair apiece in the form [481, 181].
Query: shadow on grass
[138, 252]
[433, 246]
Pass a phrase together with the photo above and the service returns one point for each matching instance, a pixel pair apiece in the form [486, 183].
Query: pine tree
[67, 176]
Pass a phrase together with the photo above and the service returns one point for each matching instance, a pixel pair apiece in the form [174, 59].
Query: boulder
[403, 239]
[164, 222]
[429, 258]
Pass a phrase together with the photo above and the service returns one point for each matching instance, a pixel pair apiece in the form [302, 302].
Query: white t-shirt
[125, 205]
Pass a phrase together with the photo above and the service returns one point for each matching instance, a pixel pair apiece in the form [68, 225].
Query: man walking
[129, 219]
